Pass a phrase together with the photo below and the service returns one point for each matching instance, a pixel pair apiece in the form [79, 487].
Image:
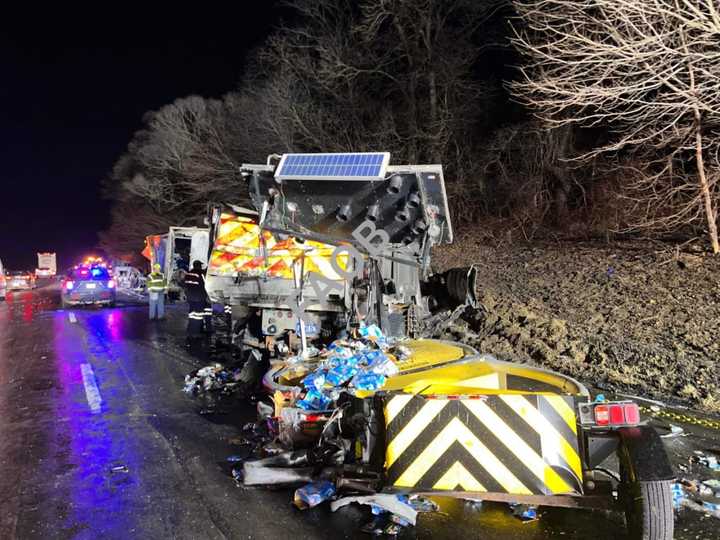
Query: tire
[648, 510]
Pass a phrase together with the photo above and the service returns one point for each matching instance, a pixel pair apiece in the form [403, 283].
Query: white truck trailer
[47, 265]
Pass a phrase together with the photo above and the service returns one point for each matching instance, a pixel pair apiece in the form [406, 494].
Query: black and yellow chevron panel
[524, 444]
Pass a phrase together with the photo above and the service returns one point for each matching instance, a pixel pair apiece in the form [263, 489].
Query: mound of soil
[635, 317]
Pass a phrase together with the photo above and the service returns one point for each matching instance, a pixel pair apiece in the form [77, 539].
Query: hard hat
[156, 267]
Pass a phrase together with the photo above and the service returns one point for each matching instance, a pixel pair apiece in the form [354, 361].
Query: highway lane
[97, 440]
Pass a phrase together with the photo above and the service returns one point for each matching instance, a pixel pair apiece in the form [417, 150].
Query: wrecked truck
[377, 409]
[175, 252]
[258, 269]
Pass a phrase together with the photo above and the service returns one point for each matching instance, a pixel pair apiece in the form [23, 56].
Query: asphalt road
[134, 459]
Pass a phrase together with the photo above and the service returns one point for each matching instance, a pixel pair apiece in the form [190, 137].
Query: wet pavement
[97, 440]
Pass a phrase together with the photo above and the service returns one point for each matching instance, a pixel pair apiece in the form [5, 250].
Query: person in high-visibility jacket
[199, 311]
[157, 287]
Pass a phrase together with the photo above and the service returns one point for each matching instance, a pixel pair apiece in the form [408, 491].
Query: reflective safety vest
[156, 282]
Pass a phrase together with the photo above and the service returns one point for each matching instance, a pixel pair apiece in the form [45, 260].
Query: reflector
[632, 413]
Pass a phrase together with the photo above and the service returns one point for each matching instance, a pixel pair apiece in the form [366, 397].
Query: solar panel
[354, 166]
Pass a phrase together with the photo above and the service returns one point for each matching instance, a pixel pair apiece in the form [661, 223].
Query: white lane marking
[91, 390]
[72, 317]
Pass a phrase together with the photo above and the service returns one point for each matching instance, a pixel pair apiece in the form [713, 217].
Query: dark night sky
[73, 89]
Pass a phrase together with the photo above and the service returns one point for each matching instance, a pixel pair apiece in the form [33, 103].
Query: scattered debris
[710, 509]
[119, 469]
[675, 431]
[258, 475]
[524, 512]
[709, 461]
[678, 494]
[714, 485]
[209, 378]
[695, 494]
[381, 502]
[237, 475]
[313, 435]
[313, 494]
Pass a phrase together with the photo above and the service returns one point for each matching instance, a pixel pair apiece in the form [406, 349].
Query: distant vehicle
[3, 283]
[128, 277]
[88, 284]
[47, 265]
[18, 280]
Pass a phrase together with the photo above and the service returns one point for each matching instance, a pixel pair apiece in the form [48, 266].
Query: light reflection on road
[100, 498]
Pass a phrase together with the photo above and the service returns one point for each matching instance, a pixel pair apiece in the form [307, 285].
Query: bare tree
[395, 75]
[391, 74]
[649, 72]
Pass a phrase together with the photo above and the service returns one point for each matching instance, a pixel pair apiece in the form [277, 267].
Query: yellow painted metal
[545, 429]
[413, 429]
[507, 441]
[456, 431]
[428, 353]
[242, 248]
[563, 409]
[457, 475]
[518, 446]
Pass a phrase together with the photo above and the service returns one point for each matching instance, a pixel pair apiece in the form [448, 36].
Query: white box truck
[47, 265]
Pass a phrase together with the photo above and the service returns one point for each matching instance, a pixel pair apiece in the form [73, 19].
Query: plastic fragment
[314, 380]
[678, 495]
[709, 461]
[313, 494]
[675, 431]
[254, 475]
[237, 475]
[423, 504]
[340, 374]
[371, 332]
[524, 512]
[368, 381]
[314, 400]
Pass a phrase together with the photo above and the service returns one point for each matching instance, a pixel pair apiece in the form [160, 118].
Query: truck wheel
[648, 510]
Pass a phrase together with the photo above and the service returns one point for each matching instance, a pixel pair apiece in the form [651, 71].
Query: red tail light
[602, 415]
[69, 285]
[617, 414]
[111, 284]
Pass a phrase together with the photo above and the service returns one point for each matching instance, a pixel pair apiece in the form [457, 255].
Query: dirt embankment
[630, 316]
